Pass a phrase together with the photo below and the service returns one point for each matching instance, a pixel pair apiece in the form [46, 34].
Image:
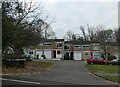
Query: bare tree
[105, 38]
[49, 33]
[92, 31]
[74, 37]
[69, 35]
[100, 34]
[117, 35]
[89, 32]
[82, 28]
[104, 35]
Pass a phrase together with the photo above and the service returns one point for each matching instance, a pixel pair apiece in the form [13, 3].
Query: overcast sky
[71, 15]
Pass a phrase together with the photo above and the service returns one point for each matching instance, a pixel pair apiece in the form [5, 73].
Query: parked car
[28, 56]
[115, 61]
[110, 57]
[92, 60]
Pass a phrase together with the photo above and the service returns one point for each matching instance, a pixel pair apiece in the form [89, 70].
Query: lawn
[113, 78]
[105, 69]
[31, 67]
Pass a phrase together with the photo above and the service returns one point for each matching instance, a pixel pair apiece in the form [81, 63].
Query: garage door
[47, 54]
[77, 55]
[39, 53]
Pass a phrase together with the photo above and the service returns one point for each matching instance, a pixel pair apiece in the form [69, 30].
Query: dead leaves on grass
[30, 68]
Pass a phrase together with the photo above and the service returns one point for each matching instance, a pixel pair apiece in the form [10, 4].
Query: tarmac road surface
[66, 72]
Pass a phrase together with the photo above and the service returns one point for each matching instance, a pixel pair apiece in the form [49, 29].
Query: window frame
[47, 44]
[58, 52]
[77, 46]
[58, 46]
[86, 46]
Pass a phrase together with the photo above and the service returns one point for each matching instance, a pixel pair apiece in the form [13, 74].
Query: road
[64, 73]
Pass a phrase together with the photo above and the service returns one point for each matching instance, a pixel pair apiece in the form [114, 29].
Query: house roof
[77, 42]
[81, 42]
[51, 40]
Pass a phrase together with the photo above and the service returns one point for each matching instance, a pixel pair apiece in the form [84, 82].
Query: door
[77, 55]
[67, 56]
[71, 55]
[54, 54]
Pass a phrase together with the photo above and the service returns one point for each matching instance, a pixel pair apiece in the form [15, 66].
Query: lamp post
[45, 37]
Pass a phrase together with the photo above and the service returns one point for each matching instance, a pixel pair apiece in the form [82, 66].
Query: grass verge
[113, 78]
[105, 69]
[31, 67]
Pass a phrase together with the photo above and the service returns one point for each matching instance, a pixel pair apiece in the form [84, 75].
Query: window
[86, 53]
[58, 52]
[100, 59]
[96, 54]
[66, 47]
[47, 44]
[96, 58]
[86, 46]
[95, 48]
[77, 46]
[59, 45]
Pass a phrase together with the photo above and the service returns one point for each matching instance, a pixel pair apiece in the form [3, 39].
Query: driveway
[70, 72]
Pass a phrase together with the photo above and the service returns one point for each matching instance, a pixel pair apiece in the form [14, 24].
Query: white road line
[20, 81]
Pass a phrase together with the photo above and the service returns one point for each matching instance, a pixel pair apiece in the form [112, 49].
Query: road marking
[20, 81]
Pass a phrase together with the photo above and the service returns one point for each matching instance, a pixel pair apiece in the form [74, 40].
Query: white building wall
[59, 55]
